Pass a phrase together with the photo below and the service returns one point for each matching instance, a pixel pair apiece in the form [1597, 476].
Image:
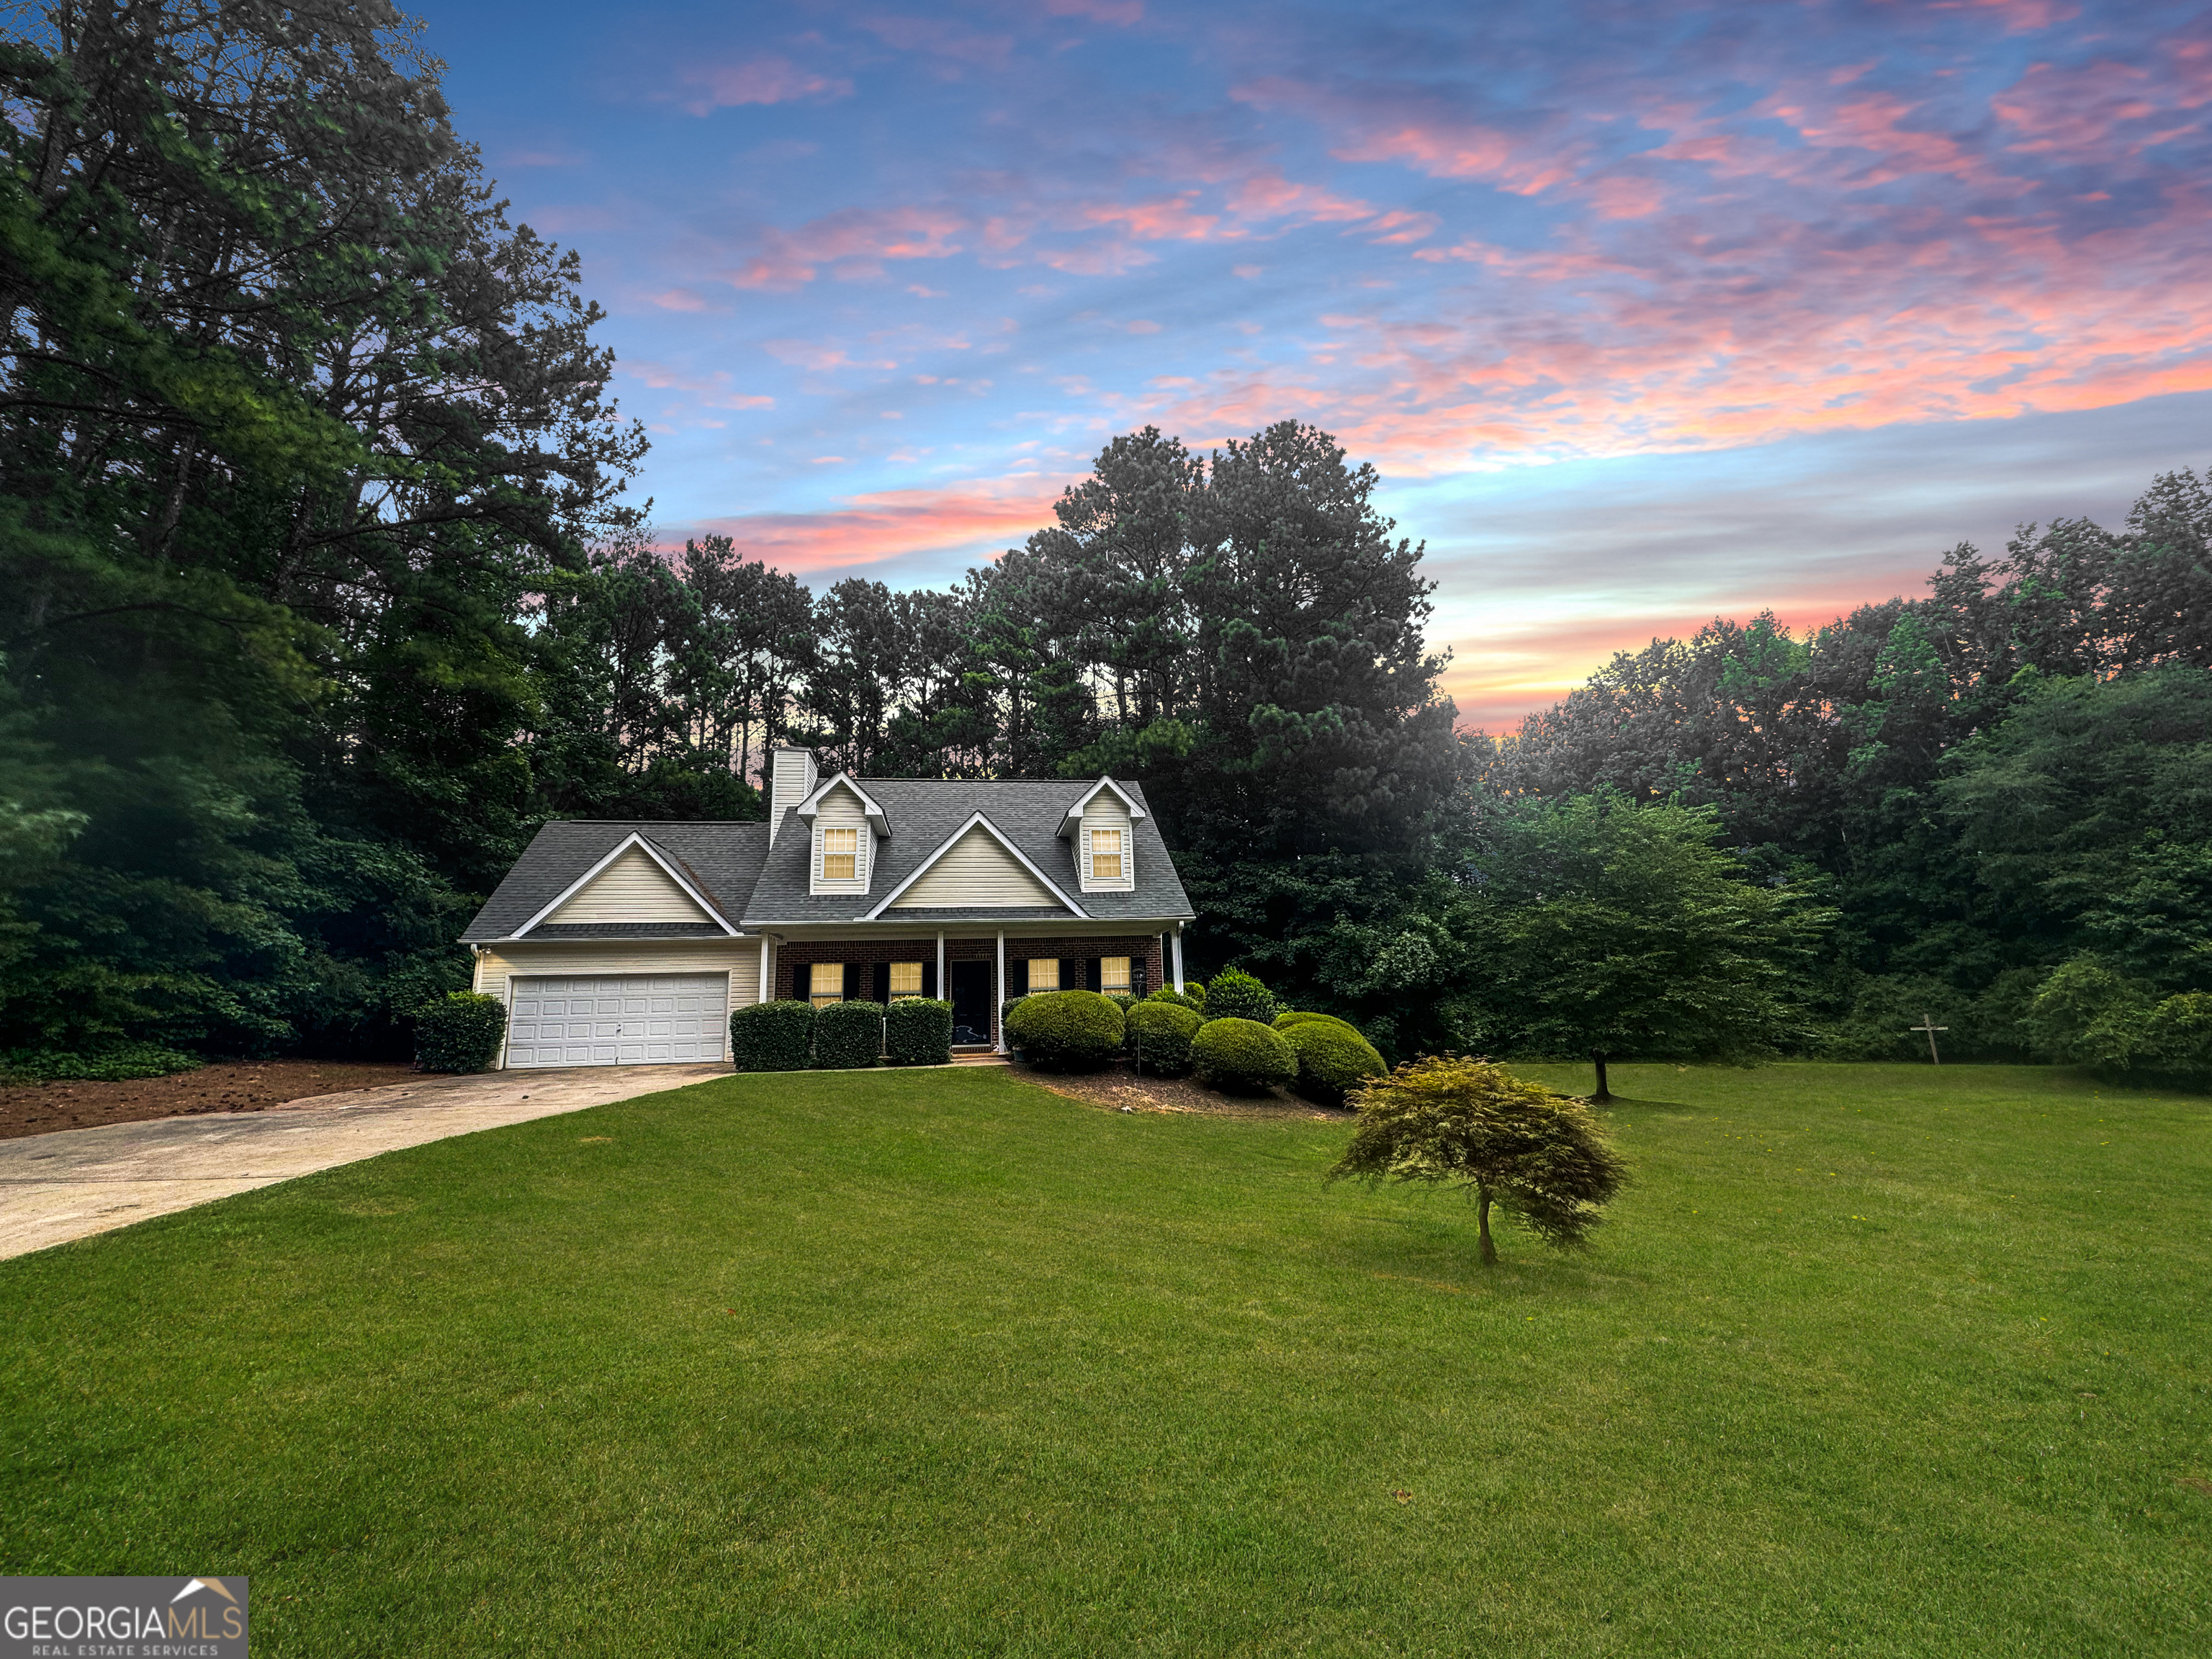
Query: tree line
[327, 595]
[326, 592]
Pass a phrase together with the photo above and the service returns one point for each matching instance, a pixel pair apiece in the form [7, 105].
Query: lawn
[1882, 1360]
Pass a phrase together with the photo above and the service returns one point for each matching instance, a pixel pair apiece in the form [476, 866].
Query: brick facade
[867, 972]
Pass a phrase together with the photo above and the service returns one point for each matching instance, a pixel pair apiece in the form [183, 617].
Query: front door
[971, 1001]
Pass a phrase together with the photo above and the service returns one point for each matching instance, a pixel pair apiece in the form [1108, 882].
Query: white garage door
[627, 1020]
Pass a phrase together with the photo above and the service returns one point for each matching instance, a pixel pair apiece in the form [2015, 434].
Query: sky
[1646, 314]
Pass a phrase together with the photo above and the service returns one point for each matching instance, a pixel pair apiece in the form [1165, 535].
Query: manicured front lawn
[1872, 1360]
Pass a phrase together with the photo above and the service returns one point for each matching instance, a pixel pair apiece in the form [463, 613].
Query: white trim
[667, 868]
[729, 1008]
[1177, 940]
[998, 1002]
[878, 819]
[1084, 799]
[997, 835]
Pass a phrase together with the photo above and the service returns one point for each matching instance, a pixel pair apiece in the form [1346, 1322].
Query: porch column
[766, 973]
[943, 991]
[1175, 942]
[999, 994]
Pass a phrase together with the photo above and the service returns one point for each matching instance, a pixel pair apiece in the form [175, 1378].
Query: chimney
[790, 780]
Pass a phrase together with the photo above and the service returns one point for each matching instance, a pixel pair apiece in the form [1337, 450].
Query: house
[622, 943]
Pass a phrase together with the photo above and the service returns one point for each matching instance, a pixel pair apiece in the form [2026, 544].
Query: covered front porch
[978, 970]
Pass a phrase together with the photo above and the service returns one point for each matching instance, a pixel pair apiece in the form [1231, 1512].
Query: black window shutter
[929, 980]
[852, 981]
[1137, 976]
[798, 971]
[1017, 978]
[1094, 974]
[883, 992]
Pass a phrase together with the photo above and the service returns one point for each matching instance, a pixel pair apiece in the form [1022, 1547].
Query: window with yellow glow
[906, 979]
[1114, 974]
[1044, 973]
[840, 854]
[1105, 855]
[827, 981]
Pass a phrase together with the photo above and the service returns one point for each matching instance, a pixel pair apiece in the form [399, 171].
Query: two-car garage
[617, 1019]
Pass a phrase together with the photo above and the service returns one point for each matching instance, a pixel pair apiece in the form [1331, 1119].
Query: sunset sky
[1645, 313]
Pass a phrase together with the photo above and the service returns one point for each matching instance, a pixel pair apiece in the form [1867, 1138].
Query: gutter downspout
[767, 972]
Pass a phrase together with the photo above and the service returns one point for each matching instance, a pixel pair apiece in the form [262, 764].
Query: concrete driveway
[75, 1182]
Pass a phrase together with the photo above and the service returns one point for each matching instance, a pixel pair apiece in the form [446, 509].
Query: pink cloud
[857, 240]
[886, 524]
[939, 37]
[1121, 12]
[758, 81]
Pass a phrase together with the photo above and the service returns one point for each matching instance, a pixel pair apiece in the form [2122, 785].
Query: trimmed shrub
[1160, 1035]
[773, 1036]
[1235, 994]
[1241, 1056]
[1006, 1011]
[1334, 1060]
[1066, 1030]
[460, 1033]
[849, 1036]
[1194, 999]
[918, 1031]
[121, 1064]
[1284, 1021]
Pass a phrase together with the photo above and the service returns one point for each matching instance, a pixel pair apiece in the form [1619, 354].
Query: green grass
[1877, 1360]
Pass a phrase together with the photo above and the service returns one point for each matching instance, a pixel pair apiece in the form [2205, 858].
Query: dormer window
[841, 853]
[1105, 855]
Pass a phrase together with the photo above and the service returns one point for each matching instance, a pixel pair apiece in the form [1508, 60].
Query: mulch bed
[1121, 1089]
[32, 1109]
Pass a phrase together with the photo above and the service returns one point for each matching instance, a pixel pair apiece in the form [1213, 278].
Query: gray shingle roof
[720, 860]
[925, 811]
[743, 878]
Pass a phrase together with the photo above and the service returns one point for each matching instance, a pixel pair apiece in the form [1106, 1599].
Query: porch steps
[978, 1057]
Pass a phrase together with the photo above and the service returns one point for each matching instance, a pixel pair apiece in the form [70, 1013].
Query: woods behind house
[325, 592]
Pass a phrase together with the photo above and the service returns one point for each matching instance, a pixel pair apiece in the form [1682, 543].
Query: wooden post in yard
[1927, 1025]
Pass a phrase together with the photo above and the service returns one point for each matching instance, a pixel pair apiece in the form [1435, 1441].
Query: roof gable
[976, 868]
[636, 882]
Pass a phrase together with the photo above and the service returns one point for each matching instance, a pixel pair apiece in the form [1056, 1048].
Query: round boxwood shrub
[1066, 1030]
[1286, 1023]
[918, 1031]
[773, 1036]
[1192, 997]
[849, 1036]
[1160, 1035]
[460, 1033]
[1235, 994]
[1334, 1060]
[1241, 1056]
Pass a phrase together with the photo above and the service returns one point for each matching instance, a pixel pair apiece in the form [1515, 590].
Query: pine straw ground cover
[1872, 1360]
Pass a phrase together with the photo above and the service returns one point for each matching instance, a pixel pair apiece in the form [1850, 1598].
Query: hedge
[1160, 1035]
[1066, 1030]
[918, 1031]
[773, 1036]
[1241, 1056]
[460, 1033]
[1334, 1060]
[1234, 994]
[849, 1036]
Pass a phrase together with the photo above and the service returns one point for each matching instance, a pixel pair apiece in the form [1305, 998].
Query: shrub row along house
[620, 943]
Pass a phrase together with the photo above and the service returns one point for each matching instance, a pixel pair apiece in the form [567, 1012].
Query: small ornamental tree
[1509, 1141]
[1235, 994]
